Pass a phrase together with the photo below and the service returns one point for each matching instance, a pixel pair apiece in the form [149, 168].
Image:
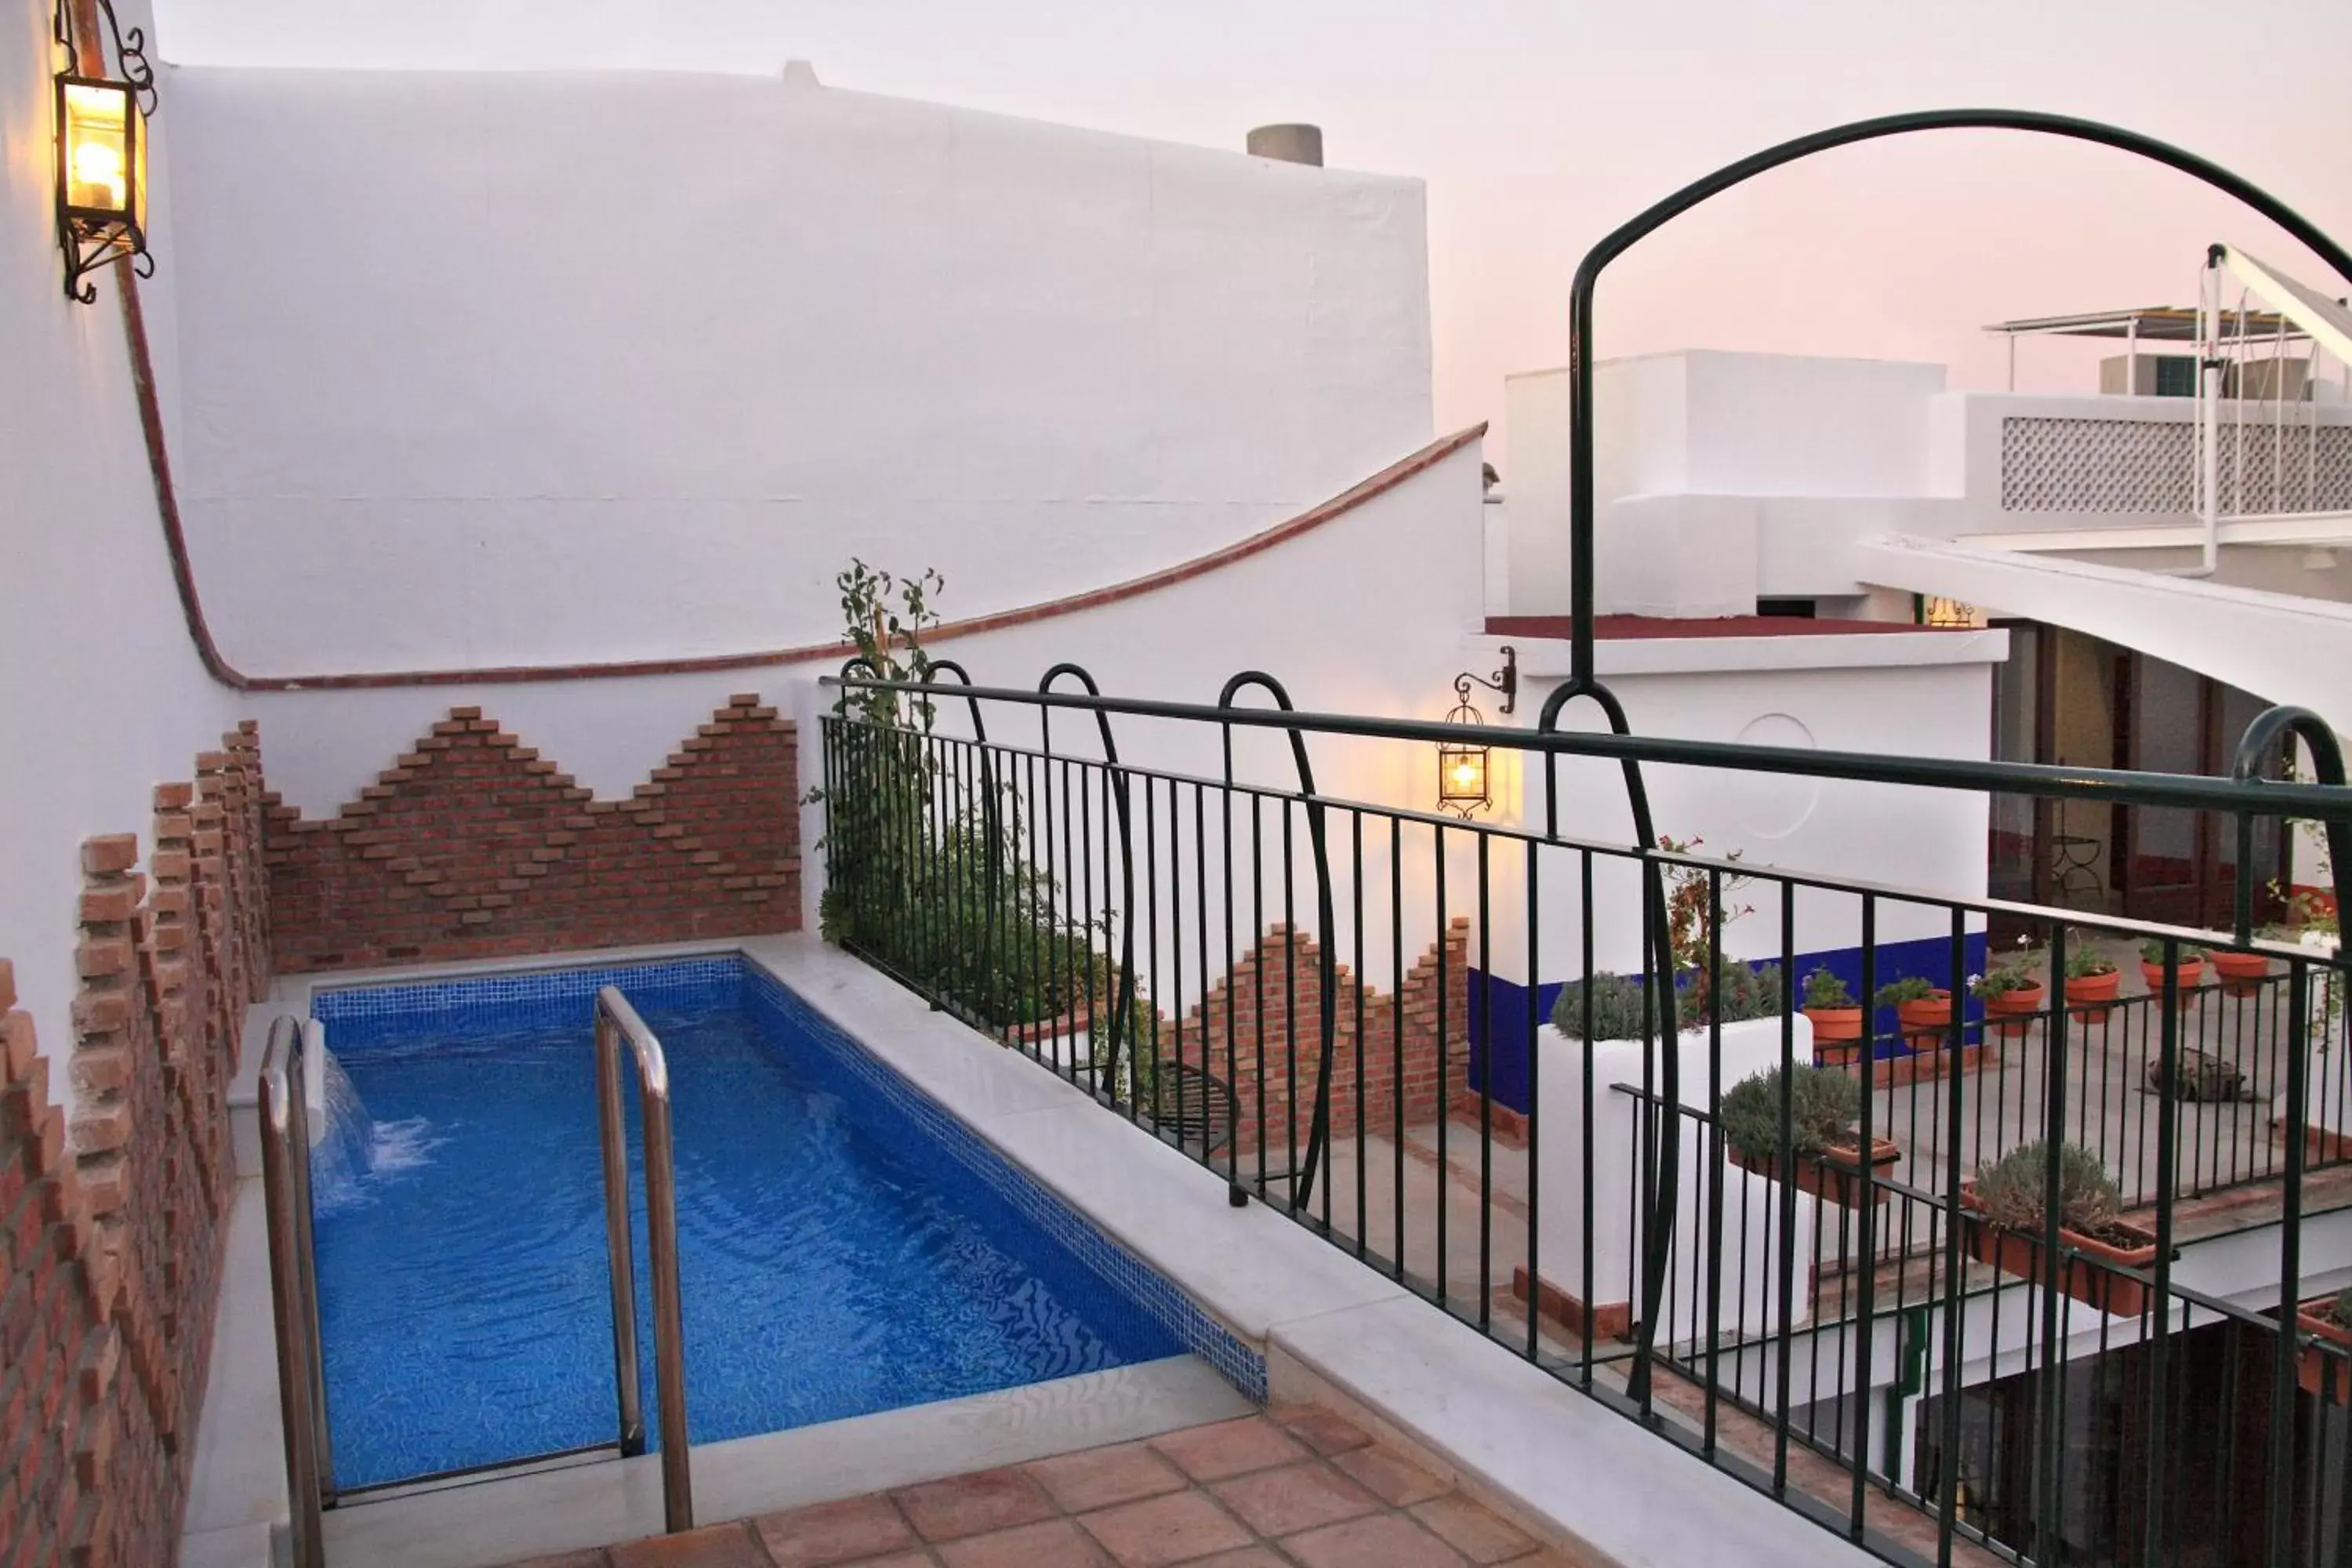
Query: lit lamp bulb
[98, 175]
[97, 128]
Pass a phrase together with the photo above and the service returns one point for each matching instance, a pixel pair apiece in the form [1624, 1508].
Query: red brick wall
[111, 1228]
[473, 846]
[1271, 1006]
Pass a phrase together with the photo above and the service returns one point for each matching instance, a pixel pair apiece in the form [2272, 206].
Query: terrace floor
[1298, 1487]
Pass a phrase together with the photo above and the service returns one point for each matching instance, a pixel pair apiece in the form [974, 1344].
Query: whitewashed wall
[1680, 436]
[1363, 614]
[1925, 694]
[102, 698]
[520, 368]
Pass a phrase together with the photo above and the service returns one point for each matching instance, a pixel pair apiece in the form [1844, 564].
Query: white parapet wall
[559, 367]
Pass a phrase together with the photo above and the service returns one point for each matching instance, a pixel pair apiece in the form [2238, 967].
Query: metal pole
[290, 1314]
[669, 1319]
[621, 1266]
[615, 1020]
[311, 1037]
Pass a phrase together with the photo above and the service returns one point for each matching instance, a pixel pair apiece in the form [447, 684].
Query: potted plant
[1824, 1155]
[2189, 972]
[2005, 1218]
[1623, 1008]
[2092, 979]
[2324, 1372]
[2240, 974]
[1836, 1017]
[1923, 1008]
[2013, 993]
[1741, 993]
[1620, 1009]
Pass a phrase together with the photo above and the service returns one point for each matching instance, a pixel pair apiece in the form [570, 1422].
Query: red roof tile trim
[219, 666]
[1608, 629]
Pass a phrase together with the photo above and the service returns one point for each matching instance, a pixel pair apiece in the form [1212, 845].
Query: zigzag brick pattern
[1267, 1013]
[473, 846]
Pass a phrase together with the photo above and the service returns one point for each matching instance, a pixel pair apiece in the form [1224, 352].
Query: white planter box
[1750, 1295]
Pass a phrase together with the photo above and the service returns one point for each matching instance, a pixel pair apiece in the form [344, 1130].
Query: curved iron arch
[2254, 748]
[931, 668]
[1584, 679]
[1303, 1180]
[1627, 235]
[1124, 1002]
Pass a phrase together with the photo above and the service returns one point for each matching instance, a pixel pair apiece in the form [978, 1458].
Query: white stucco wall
[1674, 432]
[104, 696]
[1365, 613]
[1926, 694]
[515, 368]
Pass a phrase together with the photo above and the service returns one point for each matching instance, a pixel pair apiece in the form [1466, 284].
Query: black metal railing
[1399, 1028]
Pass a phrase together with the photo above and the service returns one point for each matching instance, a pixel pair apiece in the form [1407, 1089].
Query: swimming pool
[844, 1246]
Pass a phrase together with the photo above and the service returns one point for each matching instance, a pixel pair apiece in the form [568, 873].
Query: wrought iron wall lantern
[1461, 771]
[102, 128]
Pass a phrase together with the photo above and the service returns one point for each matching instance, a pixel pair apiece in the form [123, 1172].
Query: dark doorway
[2068, 698]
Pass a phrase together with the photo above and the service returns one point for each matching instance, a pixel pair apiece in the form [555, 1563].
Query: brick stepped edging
[474, 846]
[1271, 1002]
[112, 1227]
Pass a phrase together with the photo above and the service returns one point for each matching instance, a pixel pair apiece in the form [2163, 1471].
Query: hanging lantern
[101, 141]
[1462, 766]
[1462, 771]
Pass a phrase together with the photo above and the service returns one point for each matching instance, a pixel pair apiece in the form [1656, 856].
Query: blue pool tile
[847, 1245]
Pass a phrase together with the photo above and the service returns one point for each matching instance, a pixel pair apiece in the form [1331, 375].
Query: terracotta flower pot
[2083, 992]
[2089, 1275]
[2242, 973]
[1930, 1016]
[1835, 1022]
[2321, 1373]
[2192, 974]
[2013, 1012]
[1837, 1035]
[1834, 1177]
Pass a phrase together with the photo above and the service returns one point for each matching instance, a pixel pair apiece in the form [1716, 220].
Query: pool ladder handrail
[294, 1284]
[617, 1021]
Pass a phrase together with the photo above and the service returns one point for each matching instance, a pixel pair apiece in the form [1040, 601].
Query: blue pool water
[837, 1255]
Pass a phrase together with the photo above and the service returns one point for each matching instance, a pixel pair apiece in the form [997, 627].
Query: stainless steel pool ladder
[294, 1287]
[617, 1021]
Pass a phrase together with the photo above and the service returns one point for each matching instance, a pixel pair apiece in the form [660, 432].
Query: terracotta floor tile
[1056, 1543]
[1384, 1541]
[1293, 1497]
[563, 1560]
[1248, 1557]
[1162, 1530]
[832, 1532]
[1319, 1429]
[1098, 1477]
[1400, 1483]
[1471, 1530]
[896, 1560]
[713, 1546]
[1229, 1448]
[967, 1505]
